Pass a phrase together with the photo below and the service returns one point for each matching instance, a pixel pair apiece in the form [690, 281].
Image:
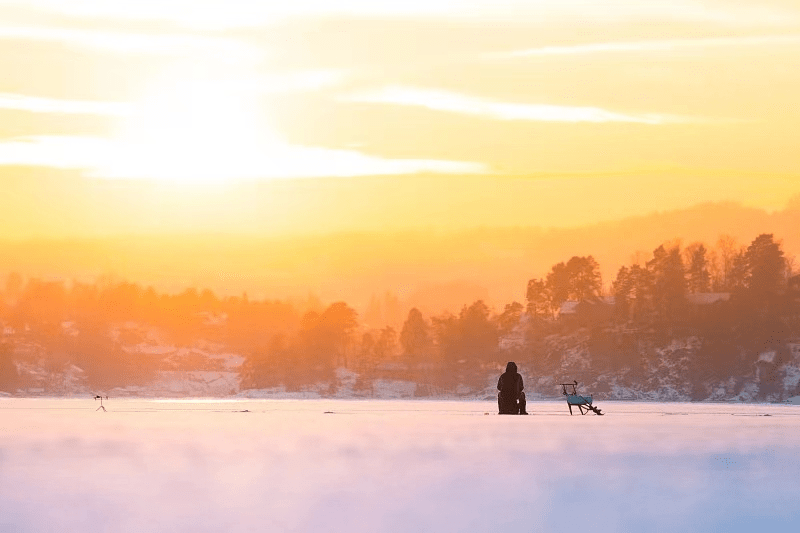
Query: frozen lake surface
[394, 466]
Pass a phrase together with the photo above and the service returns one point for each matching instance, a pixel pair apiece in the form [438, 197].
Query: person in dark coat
[511, 399]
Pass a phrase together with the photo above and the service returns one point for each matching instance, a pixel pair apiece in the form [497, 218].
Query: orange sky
[168, 116]
[272, 120]
[311, 116]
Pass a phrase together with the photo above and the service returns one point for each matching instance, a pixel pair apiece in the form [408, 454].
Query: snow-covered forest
[691, 322]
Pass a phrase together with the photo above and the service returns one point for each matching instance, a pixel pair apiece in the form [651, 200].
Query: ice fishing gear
[583, 403]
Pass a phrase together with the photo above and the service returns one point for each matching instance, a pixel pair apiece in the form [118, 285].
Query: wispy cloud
[281, 82]
[111, 159]
[36, 104]
[439, 100]
[662, 45]
[275, 83]
[135, 43]
[222, 14]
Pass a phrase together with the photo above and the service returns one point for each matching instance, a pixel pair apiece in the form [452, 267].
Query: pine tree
[415, 338]
[669, 287]
[622, 288]
[699, 276]
[765, 265]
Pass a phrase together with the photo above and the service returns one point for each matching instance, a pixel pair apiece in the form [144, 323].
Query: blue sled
[583, 403]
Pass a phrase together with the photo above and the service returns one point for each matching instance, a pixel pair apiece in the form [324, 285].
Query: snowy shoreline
[255, 395]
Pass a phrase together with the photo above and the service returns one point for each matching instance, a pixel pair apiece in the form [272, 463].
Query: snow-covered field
[395, 466]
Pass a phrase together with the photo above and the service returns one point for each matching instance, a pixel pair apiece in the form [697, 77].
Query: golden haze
[348, 148]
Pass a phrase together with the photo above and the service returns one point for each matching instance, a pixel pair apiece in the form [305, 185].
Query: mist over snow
[394, 466]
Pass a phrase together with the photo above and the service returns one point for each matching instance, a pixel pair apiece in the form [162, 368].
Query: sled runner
[583, 403]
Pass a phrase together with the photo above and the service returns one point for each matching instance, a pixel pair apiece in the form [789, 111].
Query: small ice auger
[583, 403]
[98, 397]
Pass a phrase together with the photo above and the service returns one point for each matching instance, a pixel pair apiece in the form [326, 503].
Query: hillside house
[701, 303]
[586, 313]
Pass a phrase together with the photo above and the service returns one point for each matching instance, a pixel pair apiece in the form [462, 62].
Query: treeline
[438, 354]
[740, 303]
[41, 307]
[739, 300]
[659, 285]
[87, 325]
[757, 275]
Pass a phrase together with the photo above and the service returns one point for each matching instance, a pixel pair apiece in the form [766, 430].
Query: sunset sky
[168, 116]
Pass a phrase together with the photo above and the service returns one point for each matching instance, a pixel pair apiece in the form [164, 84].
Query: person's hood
[511, 367]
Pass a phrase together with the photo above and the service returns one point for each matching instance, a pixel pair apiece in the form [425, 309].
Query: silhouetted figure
[511, 399]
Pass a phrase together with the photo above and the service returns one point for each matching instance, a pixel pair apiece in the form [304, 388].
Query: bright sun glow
[209, 132]
[536, 109]
[199, 132]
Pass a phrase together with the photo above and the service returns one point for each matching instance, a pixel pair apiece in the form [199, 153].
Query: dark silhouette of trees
[699, 275]
[415, 337]
[103, 360]
[633, 292]
[8, 371]
[447, 337]
[558, 285]
[336, 326]
[42, 304]
[577, 279]
[622, 288]
[465, 342]
[386, 345]
[642, 291]
[538, 299]
[325, 338]
[737, 277]
[270, 367]
[478, 334]
[376, 347]
[669, 282]
[761, 282]
[96, 327]
[509, 318]
[727, 250]
[585, 282]
[765, 266]
[367, 360]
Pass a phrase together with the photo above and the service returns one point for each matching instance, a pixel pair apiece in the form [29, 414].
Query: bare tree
[728, 248]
